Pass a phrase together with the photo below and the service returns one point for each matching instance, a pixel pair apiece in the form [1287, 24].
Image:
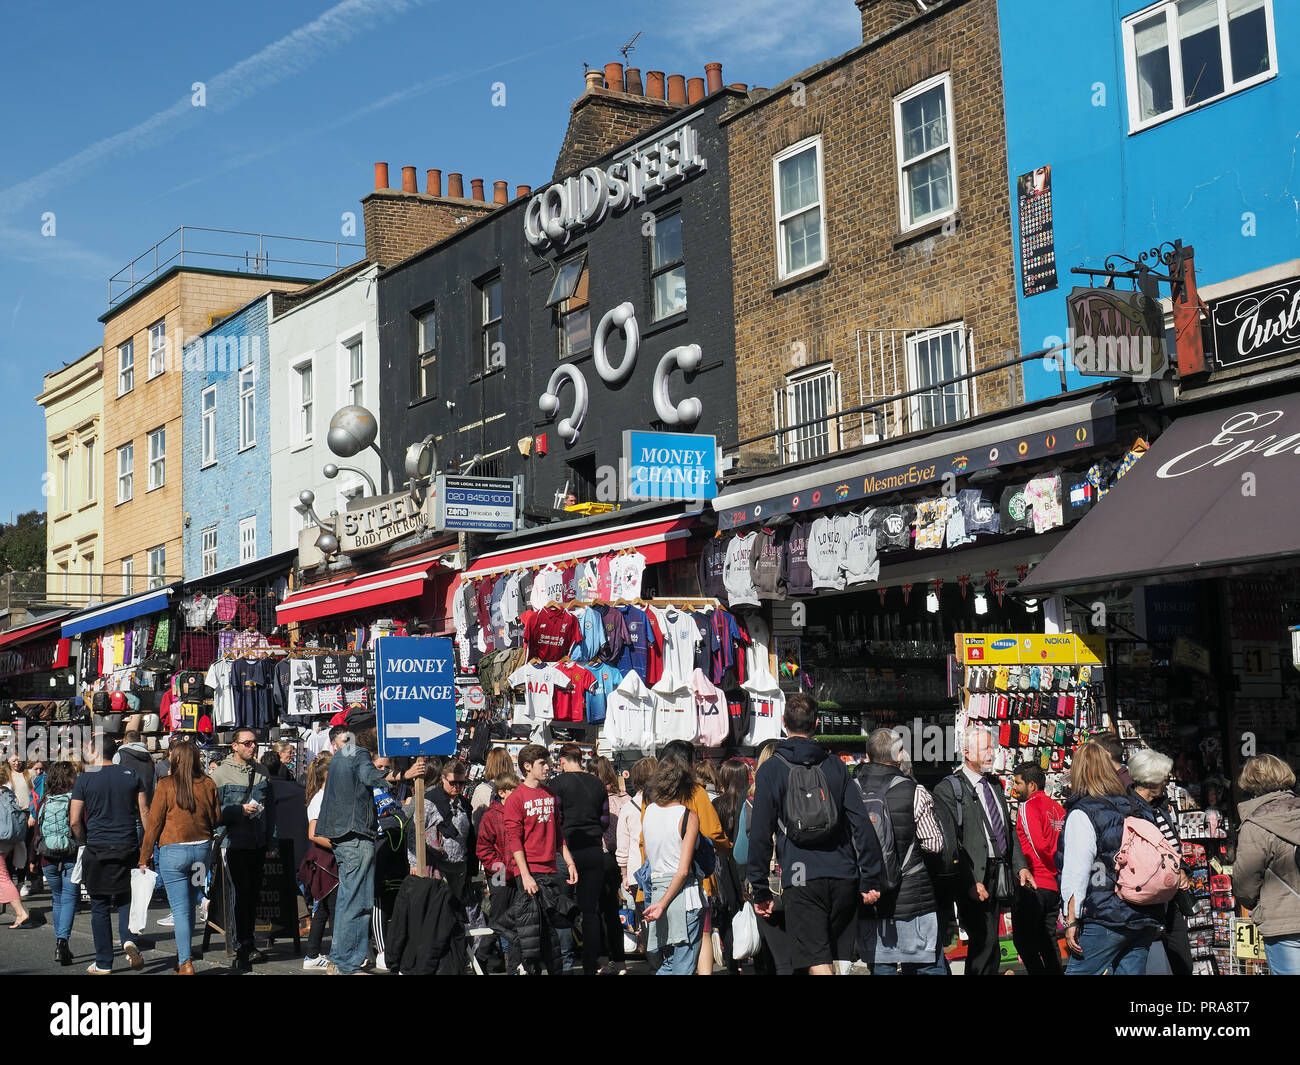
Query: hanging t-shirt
[630, 716]
[894, 528]
[571, 589]
[639, 637]
[826, 544]
[483, 597]
[798, 576]
[861, 564]
[737, 575]
[713, 558]
[955, 533]
[548, 587]
[499, 626]
[550, 633]
[1016, 509]
[767, 565]
[525, 589]
[1045, 502]
[680, 639]
[569, 703]
[588, 580]
[604, 577]
[766, 707]
[654, 668]
[329, 699]
[511, 602]
[758, 670]
[540, 683]
[197, 610]
[606, 678]
[932, 522]
[458, 619]
[1077, 496]
[625, 575]
[980, 512]
[223, 696]
[704, 649]
[727, 664]
[615, 633]
[591, 627]
[710, 710]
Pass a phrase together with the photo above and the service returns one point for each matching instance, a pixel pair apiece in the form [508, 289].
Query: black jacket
[851, 852]
[915, 895]
[967, 856]
[426, 935]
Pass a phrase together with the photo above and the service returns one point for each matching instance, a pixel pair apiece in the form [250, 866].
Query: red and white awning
[357, 592]
[660, 540]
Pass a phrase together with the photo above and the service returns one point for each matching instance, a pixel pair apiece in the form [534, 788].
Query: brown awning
[1218, 490]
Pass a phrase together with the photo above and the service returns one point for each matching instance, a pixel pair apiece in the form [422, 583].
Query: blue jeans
[63, 894]
[681, 959]
[1124, 953]
[179, 865]
[101, 926]
[1283, 954]
[356, 898]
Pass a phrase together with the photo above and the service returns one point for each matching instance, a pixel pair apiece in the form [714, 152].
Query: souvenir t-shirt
[861, 563]
[737, 573]
[932, 522]
[329, 699]
[625, 575]
[767, 566]
[680, 638]
[826, 544]
[704, 649]
[571, 589]
[639, 637]
[980, 513]
[710, 710]
[1077, 496]
[591, 642]
[469, 594]
[1016, 509]
[570, 702]
[713, 557]
[458, 618]
[511, 602]
[540, 683]
[797, 574]
[548, 586]
[606, 678]
[223, 697]
[483, 596]
[604, 578]
[894, 528]
[499, 626]
[1045, 502]
[550, 633]
[588, 579]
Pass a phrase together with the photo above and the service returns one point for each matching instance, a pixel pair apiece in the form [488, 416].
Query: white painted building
[324, 355]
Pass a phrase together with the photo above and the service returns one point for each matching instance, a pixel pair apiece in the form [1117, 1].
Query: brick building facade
[892, 297]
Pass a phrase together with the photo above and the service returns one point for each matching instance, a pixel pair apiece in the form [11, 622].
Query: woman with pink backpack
[1109, 838]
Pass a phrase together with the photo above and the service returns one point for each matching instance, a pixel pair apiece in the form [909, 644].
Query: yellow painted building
[73, 400]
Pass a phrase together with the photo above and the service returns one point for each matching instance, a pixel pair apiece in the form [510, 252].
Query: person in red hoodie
[1038, 895]
[498, 864]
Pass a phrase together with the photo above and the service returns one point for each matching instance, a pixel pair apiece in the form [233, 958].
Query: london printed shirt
[767, 566]
[737, 575]
[826, 545]
[861, 565]
[798, 576]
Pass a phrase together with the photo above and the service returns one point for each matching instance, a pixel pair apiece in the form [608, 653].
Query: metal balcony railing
[55, 589]
[235, 250]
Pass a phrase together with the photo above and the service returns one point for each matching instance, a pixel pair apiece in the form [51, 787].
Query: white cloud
[799, 32]
[289, 55]
[58, 254]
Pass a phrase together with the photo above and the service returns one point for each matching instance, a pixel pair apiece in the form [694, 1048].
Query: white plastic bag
[76, 869]
[744, 934]
[142, 885]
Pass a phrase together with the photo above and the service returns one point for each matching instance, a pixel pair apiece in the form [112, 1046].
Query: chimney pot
[595, 80]
[500, 192]
[381, 175]
[523, 190]
[695, 90]
[677, 89]
[408, 179]
[433, 182]
[739, 85]
[455, 186]
[654, 84]
[614, 77]
[713, 75]
[477, 185]
[632, 81]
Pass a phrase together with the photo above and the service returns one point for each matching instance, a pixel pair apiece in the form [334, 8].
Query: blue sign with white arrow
[415, 695]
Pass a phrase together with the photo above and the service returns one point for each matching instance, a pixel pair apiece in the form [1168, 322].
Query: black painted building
[472, 329]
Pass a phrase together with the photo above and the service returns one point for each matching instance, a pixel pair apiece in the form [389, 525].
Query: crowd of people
[793, 866]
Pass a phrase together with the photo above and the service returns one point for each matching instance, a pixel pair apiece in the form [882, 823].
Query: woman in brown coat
[182, 818]
[1265, 876]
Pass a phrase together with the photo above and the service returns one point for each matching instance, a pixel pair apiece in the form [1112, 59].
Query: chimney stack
[523, 190]
[739, 85]
[381, 175]
[695, 90]
[477, 185]
[614, 77]
[595, 80]
[880, 16]
[713, 75]
[433, 182]
[632, 82]
[455, 186]
[408, 179]
[654, 86]
[500, 192]
[677, 89]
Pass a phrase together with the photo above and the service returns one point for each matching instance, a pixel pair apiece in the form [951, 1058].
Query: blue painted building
[1178, 119]
[227, 470]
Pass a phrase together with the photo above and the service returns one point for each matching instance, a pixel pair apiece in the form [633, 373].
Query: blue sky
[302, 98]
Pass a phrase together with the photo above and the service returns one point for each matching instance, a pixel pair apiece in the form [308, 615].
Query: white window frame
[486, 321]
[1136, 123]
[157, 565]
[126, 480]
[89, 560]
[65, 482]
[157, 348]
[781, 220]
[88, 464]
[426, 356]
[352, 384]
[208, 551]
[157, 462]
[247, 380]
[905, 218]
[248, 539]
[208, 430]
[126, 367]
[916, 404]
[302, 435]
[128, 576]
[786, 415]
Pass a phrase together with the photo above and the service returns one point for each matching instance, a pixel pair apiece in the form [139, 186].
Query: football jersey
[639, 637]
[737, 578]
[550, 633]
[570, 702]
[539, 684]
[615, 633]
[605, 678]
[727, 635]
[680, 637]
[861, 565]
[591, 626]
[826, 546]
[797, 574]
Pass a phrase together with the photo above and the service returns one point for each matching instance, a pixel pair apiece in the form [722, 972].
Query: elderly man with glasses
[244, 834]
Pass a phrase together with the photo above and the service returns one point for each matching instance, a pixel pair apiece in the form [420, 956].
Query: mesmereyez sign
[381, 521]
[474, 504]
[415, 695]
[578, 203]
[1260, 323]
[669, 465]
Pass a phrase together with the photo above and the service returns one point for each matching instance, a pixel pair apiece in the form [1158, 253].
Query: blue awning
[150, 602]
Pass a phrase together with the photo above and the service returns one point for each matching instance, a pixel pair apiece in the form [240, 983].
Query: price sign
[1250, 944]
[1257, 661]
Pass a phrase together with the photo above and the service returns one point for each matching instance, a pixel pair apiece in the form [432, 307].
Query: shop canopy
[356, 592]
[658, 539]
[1214, 494]
[120, 610]
[34, 631]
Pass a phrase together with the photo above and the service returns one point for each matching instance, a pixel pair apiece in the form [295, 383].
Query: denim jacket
[349, 804]
[231, 778]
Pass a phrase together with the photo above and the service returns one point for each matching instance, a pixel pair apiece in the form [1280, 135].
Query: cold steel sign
[580, 202]
[1261, 323]
[382, 521]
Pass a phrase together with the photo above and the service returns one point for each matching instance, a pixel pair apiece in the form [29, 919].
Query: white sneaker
[203, 912]
[168, 921]
[321, 961]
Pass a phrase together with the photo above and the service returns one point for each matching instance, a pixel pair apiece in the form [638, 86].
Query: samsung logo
[1002, 645]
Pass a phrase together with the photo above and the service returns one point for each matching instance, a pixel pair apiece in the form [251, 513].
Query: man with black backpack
[900, 934]
[828, 853]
